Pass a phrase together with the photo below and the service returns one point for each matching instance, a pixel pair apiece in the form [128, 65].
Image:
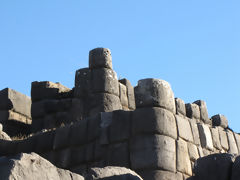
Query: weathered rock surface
[32, 166]
[112, 173]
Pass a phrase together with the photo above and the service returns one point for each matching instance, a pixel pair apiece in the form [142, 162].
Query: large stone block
[61, 138]
[13, 116]
[184, 129]
[93, 127]
[180, 106]
[78, 155]
[216, 138]
[38, 109]
[106, 120]
[63, 158]
[219, 120]
[104, 81]
[118, 155]
[37, 125]
[192, 111]
[183, 160]
[153, 151]
[154, 92]
[119, 129]
[235, 174]
[103, 102]
[237, 138]
[47, 90]
[203, 111]
[195, 132]
[154, 120]
[15, 101]
[123, 96]
[205, 136]
[130, 93]
[193, 152]
[82, 82]
[160, 175]
[223, 138]
[100, 58]
[44, 141]
[78, 132]
[214, 167]
[232, 143]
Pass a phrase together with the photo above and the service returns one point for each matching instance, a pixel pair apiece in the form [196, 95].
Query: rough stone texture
[193, 111]
[154, 120]
[213, 167]
[205, 136]
[180, 106]
[160, 175]
[193, 152]
[153, 151]
[123, 95]
[47, 90]
[4, 136]
[13, 100]
[14, 116]
[130, 93]
[104, 81]
[104, 102]
[100, 58]
[203, 111]
[183, 160]
[29, 166]
[82, 82]
[195, 132]
[154, 92]
[184, 129]
[236, 169]
[216, 138]
[223, 138]
[219, 120]
[232, 143]
[237, 138]
[112, 173]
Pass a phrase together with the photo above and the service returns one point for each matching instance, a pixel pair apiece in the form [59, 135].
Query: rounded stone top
[100, 58]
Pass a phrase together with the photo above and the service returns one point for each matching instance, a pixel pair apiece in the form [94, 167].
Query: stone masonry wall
[157, 135]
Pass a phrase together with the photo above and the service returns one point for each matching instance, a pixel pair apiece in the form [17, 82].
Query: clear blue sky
[194, 45]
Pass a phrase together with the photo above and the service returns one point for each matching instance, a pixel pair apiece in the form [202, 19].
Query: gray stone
[195, 132]
[32, 166]
[93, 127]
[112, 173]
[193, 152]
[1, 127]
[4, 136]
[130, 93]
[203, 111]
[61, 139]
[183, 160]
[205, 136]
[78, 132]
[63, 158]
[200, 151]
[44, 141]
[184, 129]
[223, 138]
[219, 120]
[123, 96]
[119, 129]
[104, 81]
[180, 106]
[153, 151]
[154, 92]
[160, 175]
[192, 111]
[13, 100]
[47, 90]
[82, 82]
[13, 116]
[103, 102]
[237, 138]
[236, 169]
[78, 155]
[100, 58]
[232, 143]
[216, 138]
[214, 167]
[154, 120]
[106, 120]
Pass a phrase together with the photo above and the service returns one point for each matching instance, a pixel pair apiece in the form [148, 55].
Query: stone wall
[144, 128]
[15, 112]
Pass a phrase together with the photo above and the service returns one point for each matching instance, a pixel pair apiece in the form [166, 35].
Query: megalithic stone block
[154, 92]
[13, 100]
[205, 136]
[47, 90]
[82, 82]
[203, 111]
[123, 95]
[130, 93]
[192, 111]
[104, 81]
[220, 120]
[100, 58]
[180, 106]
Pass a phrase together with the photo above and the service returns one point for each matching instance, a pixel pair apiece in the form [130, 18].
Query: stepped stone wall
[110, 123]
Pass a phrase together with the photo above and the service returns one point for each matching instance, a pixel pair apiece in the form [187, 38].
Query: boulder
[32, 166]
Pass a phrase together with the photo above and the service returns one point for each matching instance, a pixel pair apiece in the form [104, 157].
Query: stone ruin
[104, 121]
